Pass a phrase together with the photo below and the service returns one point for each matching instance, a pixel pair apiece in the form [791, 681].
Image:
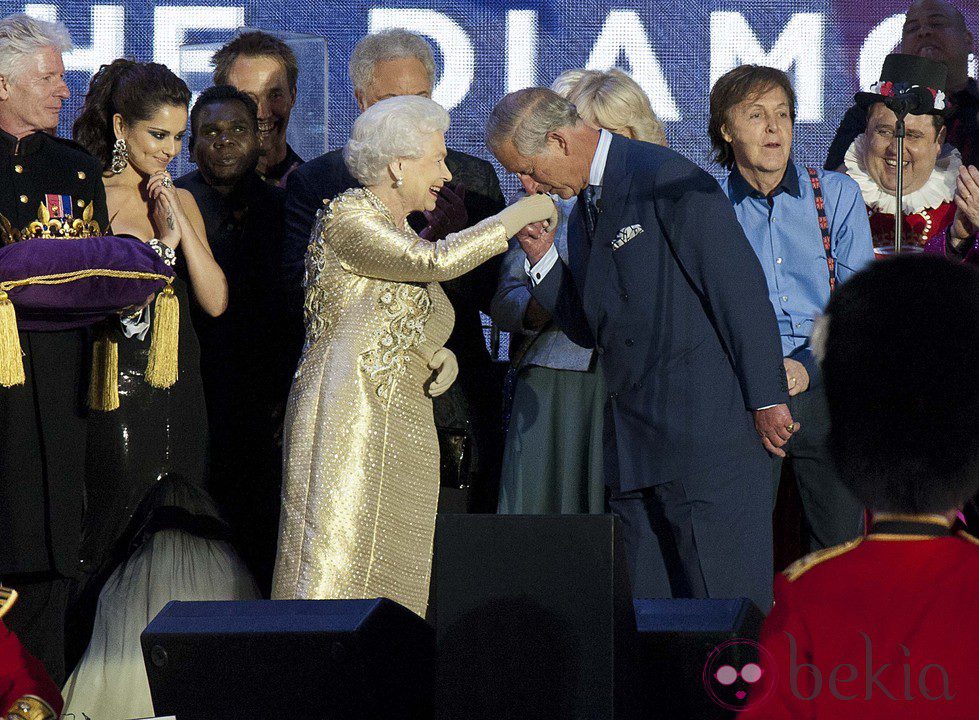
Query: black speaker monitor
[533, 617]
[314, 659]
[682, 646]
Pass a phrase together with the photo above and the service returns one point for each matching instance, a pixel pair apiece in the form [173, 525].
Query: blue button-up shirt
[783, 229]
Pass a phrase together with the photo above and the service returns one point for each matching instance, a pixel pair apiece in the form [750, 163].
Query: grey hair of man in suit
[390, 63]
[539, 135]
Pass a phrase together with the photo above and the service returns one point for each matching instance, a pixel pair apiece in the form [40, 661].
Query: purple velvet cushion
[80, 302]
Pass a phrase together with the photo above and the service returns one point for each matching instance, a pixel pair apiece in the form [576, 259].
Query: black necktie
[588, 207]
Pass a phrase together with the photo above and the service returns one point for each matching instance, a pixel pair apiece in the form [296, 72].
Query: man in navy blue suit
[662, 282]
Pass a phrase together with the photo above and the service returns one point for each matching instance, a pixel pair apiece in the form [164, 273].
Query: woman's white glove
[446, 369]
[526, 211]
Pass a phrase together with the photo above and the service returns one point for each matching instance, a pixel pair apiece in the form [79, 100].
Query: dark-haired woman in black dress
[151, 533]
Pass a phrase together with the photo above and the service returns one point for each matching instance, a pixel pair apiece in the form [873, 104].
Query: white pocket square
[625, 235]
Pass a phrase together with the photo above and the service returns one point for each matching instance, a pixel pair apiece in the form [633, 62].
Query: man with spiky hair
[264, 67]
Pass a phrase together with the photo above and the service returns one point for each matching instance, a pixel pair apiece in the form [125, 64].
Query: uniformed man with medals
[43, 179]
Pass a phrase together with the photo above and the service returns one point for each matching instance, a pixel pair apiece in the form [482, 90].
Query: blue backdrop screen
[487, 48]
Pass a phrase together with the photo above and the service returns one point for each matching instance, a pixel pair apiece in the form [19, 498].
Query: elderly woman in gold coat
[361, 454]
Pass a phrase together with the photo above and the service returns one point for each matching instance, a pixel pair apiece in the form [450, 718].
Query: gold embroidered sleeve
[366, 244]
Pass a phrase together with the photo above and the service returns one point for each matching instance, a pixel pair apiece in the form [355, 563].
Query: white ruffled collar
[937, 190]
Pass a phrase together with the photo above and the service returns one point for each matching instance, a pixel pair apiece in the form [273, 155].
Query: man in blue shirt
[810, 231]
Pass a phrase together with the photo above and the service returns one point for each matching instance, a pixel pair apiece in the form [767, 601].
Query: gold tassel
[161, 370]
[103, 386]
[11, 358]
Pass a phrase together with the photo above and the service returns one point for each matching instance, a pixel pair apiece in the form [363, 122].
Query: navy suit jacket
[679, 316]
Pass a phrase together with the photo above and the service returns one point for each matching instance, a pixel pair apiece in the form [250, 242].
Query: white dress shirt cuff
[538, 272]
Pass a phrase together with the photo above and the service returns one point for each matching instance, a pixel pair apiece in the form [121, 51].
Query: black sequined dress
[146, 462]
[151, 533]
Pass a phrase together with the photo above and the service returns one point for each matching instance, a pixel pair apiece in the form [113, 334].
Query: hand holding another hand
[535, 240]
[775, 427]
[526, 211]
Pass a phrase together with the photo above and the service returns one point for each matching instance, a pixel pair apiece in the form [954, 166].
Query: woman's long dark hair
[133, 89]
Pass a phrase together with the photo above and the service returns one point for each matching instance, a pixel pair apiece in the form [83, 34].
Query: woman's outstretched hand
[528, 210]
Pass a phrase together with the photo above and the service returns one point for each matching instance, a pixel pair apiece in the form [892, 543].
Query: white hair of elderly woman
[390, 44]
[389, 130]
[21, 36]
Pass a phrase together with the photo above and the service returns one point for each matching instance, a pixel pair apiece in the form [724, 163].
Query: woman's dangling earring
[120, 156]
[399, 182]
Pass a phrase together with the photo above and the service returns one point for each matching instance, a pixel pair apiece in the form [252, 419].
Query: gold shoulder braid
[8, 596]
[30, 707]
[799, 567]
[8, 236]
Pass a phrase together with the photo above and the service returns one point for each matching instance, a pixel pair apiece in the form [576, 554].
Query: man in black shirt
[263, 67]
[248, 354]
[933, 29]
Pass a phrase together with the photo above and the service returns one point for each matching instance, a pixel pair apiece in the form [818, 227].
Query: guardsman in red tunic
[26, 690]
[885, 627]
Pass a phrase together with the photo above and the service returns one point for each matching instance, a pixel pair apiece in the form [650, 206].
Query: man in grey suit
[661, 281]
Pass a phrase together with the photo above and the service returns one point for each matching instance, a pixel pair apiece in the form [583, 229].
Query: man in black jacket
[42, 422]
[249, 353]
[263, 67]
[933, 29]
[388, 64]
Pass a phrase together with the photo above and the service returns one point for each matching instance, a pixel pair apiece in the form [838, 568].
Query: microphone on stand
[914, 101]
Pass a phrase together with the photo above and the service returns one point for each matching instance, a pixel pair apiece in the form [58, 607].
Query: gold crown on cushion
[68, 227]
[45, 226]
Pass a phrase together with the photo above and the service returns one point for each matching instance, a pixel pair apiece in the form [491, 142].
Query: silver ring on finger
[167, 181]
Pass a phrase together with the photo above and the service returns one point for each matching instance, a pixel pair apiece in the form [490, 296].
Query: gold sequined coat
[361, 478]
